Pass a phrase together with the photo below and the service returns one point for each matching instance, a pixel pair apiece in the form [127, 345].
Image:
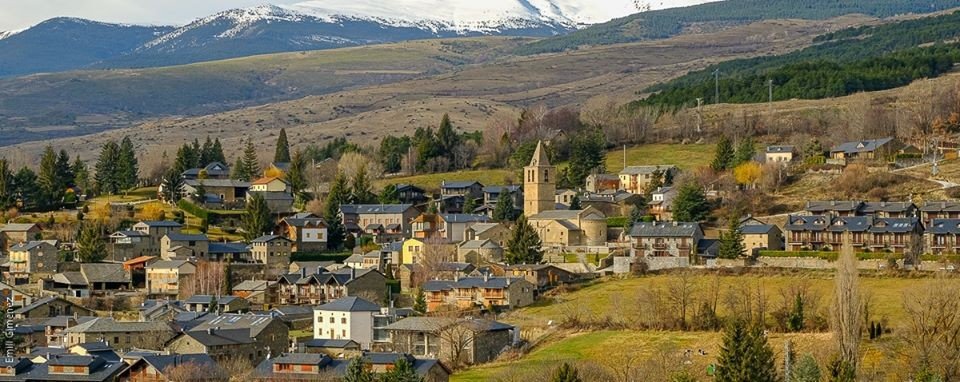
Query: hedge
[211, 216]
[619, 221]
[829, 256]
[947, 258]
[193, 209]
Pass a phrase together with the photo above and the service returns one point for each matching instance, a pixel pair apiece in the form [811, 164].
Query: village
[426, 280]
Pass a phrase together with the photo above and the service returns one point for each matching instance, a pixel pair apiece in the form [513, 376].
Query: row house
[307, 231]
[824, 233]
[358, 217]
[846, 208]
[943, 236]
[472, 292]
[943, 209]
[307, 288]
[666, 239]
[321, 367]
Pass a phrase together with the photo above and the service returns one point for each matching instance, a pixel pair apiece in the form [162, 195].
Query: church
[557, 228]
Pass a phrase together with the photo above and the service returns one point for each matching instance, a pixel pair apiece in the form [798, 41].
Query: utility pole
[624, 156]
[787, 355]
[770, 84]
[716, 94]
[699, 115]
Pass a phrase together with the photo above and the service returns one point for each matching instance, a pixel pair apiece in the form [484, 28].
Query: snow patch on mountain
[6, 34]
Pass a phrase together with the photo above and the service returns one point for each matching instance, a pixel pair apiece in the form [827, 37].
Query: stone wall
[817, 263]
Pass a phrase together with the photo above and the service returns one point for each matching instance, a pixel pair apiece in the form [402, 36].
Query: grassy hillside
[473, 95]
[711, 16]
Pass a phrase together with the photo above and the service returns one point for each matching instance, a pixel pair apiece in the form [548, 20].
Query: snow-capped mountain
[308, 25]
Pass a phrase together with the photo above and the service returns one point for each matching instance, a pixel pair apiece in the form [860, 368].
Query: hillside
[556, 80]
[722, 14]
[867, 58]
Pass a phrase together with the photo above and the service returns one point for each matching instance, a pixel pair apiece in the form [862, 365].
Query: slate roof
[757, 229]
[465, 218]
[104, 273]
[499, 189]
[807, 223]
[455, 267]
[850, 224]
[860, 146]
[479, 244]
[353, 259]
[941, 206]
[303, 359]
[16, 227]
[217, 183]
[302, 219]
[167, 264]
[894, 225]
[28, 245]
[664, 229]
[109, 325]
[328, 343]
[221, 337]
[470, 282]
[834, 205]
[177, 236]
[206, 298]
[64, 321]
[205, 363]
[255, 322]
[293, 310]
[873, 207]
[944, 227]
[349, 304]
[780, 149]
[374, 208]
[312, 266]
[38, 303]
[273, 195]
[103, 371]
[254, 285]
[268, 238]
[480, 228]
[215, 248]
[459, 184]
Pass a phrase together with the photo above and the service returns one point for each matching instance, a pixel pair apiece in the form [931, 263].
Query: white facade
[314, 235]
[337, 325]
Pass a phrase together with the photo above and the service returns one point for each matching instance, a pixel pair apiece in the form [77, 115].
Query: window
[344, 333]
[343, 320]
[332, 320]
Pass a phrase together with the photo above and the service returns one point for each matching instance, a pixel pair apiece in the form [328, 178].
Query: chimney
[508, 280]
[486, 277]
[676, 223]
[456, 276]
[210, 331]
[303, 272]
[353, 273]
[319, 269]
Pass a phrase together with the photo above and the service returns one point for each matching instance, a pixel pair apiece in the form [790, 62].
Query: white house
[349, 318]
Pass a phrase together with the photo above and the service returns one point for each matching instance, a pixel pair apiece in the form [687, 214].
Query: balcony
[660, 246]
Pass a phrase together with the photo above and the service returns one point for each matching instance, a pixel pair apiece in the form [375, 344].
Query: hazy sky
[18, 14]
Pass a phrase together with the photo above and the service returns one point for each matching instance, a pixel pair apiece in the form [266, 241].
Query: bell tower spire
[539, 183]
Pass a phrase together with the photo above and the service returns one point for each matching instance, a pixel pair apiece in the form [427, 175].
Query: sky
[19, 14]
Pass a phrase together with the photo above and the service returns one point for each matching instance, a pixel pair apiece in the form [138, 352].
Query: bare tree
[932, 331]
[681, 290]
[192, 372]
[848, 310]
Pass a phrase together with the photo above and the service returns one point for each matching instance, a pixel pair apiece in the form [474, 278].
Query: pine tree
[339, 194]
[504, 211]
[357, 371]
[636, 215]
[81, 177]
[361, 188]
[297, 177]
[402, 371]
[251, 166]
[6, 185]
[795, 320]
[26, 188]
[172, 185]
[745, 355]
[566, 373]
[447, 138]
[257, 219]
[206, 152]
[731, 242]
[389, 195]
[469, 204]
[690, 204]
[65, 174]
[806, 370]
[281, 153]
[127, 167]
[216, 153]
[186, 159]
[575, 203]
[745, 151]
[350, 242]
[238, 171]
[420, 302]
[724, 157]
[587, 155]
[106, 176]
[91, 247]
[524, 246]
[49, 182]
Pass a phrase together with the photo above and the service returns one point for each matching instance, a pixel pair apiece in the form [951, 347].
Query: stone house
[64, 367]
[833, 208]
[278, 202]
[661, 203]
[566, 228]
[307, 231]
[479, 252]
[273, 251]
[498, 233]
[635, 179]
[782, 154]
[889, 209]
[50, 306]
[319, 288]
[196, 245]
[611, 203]
[17, 298]
[491, 194]
[32, 260]
[467, 189]
[758, 237]
[597, 183]
[666, 239]
[356, 217]
[543, 276]
[93, 279]
[472, 292]
[320, 367]
[130, 244]
[872, 149]
[249, 336]
[410, 194]
[16, 233]
[165, 277]
[453, 340]
[941, 236]
[260, 293]
[120, 334]
[224, 304]
[156, 230]
[221, 193]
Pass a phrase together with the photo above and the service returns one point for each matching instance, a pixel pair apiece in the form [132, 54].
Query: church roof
[539, 156]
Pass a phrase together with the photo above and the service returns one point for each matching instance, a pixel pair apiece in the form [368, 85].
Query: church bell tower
[539, 184]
